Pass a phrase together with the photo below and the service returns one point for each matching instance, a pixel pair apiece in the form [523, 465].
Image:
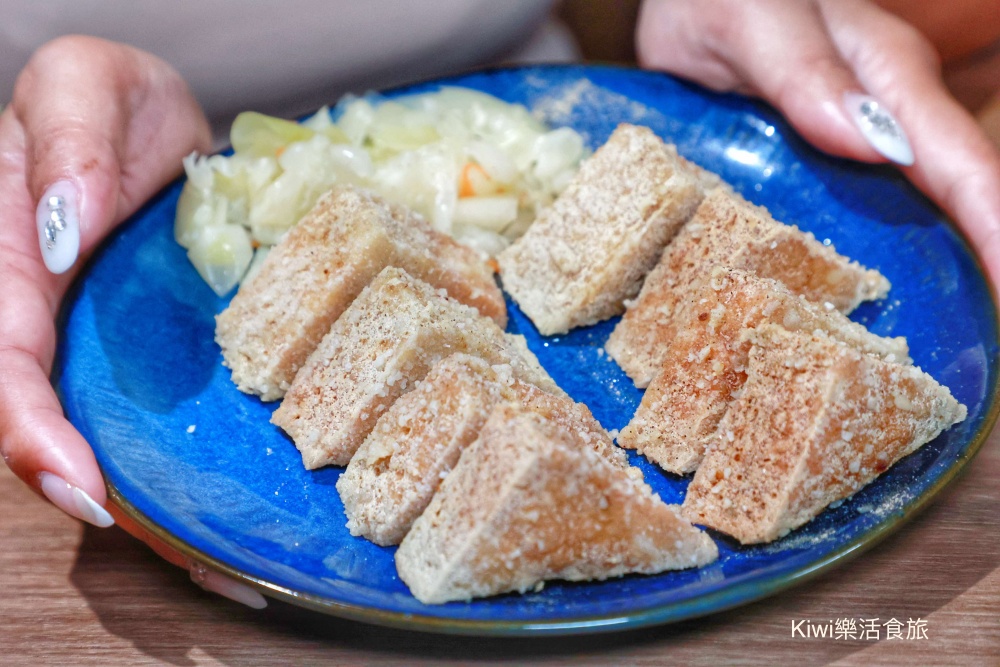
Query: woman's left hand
[818, 62]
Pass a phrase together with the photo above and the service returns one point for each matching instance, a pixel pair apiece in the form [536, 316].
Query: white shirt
[289, 57]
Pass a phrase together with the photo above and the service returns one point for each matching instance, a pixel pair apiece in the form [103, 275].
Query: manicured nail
[58, 221]
[228, 588]
[879, 127]
[73, 501]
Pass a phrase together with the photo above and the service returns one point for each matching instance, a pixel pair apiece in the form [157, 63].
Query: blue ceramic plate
[198, 462]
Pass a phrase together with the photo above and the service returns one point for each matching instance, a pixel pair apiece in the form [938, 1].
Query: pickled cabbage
[473, 165]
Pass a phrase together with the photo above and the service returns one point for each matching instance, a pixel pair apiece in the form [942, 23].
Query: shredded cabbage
[475, 166]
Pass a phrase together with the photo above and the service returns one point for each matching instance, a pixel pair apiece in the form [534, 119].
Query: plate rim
[656, 614]
[728, 598]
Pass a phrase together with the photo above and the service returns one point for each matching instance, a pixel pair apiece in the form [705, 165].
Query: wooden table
[77, 595]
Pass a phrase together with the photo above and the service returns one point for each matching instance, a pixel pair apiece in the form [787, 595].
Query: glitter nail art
[57, 219]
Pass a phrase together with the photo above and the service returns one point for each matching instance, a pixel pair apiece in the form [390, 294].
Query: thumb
[804, 75]
[105, 127]
[779, 50]
[957, 165]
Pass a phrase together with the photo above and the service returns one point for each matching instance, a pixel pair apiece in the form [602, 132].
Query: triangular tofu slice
[727, 230]
[816, 421]
[376, 351]
[277, 319]
[589, 251]
[705, 364]
[527, 503]
[417, 442]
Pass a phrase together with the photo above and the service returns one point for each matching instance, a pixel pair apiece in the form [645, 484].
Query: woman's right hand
[94, 129]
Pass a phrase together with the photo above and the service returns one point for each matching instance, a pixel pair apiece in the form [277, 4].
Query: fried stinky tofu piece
[277, 319]
[415, 444]
[728, 231]
[528, 502]
[382, 345]
[589, 251]
[817, 420]
[704, 366]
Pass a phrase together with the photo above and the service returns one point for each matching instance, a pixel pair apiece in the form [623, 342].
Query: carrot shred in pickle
[493, 264]
[465, 185]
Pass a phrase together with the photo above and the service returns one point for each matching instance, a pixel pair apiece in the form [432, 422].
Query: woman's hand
[94, 130]
[824, 64]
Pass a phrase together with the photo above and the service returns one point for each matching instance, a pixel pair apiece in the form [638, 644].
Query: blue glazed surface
[138, 366]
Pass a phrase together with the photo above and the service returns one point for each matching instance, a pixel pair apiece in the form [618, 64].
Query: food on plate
[528, 502]
[277, 319]
[476, 167]
[393, 475]
[707, 180]
[378, 349]
[815, 422]
[385, 338]
[588, 252]
[704, 365]
[726, 230]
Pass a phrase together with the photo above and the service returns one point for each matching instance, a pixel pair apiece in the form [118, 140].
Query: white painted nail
[226, 587]
[879, 127]
[72, 500]
[58, 220]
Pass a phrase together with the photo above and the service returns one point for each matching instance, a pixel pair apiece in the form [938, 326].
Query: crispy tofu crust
[728, 231]
[381, 346]
[705, 364]
[278, 318]
[415, 444]
[527, 502]
[587, 253]
[817, 420]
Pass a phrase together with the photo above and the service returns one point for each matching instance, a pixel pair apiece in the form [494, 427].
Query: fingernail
[879, 127]
[226, 587]
[73, 501]
[58, 221]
